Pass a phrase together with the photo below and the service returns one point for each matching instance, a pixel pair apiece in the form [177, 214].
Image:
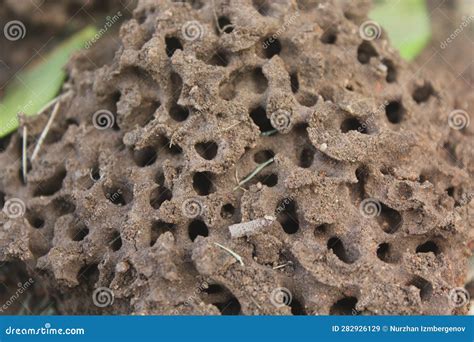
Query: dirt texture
[368, 182]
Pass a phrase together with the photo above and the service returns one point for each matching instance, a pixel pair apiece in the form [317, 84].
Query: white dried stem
[251, 227]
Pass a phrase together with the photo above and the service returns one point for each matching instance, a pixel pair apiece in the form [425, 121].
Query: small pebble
[323, 147]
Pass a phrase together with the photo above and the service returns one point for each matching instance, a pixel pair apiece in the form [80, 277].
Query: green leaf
[406, 23]
[37, 86]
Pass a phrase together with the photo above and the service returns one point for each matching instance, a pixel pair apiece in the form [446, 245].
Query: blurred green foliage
[35, 87]
[406, 22]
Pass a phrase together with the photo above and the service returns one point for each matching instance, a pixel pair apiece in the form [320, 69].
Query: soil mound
[345, 160]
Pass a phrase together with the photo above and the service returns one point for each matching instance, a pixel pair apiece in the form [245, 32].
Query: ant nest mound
[338, 162]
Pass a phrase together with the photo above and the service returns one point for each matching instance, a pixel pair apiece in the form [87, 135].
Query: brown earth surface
[369, 184]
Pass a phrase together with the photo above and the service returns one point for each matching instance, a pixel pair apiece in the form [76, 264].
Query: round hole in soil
[35, 221]
[427, 247]
[225, 24]
[178, 113]
[353, 124]
[159, 195]
[202, 183]
[345, 306]
[329, 36]
[145, 156]
[197, 228]
[271, 47]
[263, 156]
[119, 194]
[207, 149]
[115, 241]
[227, 211]
[79, 232]
[395, 112]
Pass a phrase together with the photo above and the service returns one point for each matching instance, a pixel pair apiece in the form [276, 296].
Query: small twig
[232, 126]
[283, 265]
[255, 172]
[45, 131]
[24, 155]
[217, 20]
[231, 252]
[255, 302]
[250, 228]
[49, 104]
[268, 133]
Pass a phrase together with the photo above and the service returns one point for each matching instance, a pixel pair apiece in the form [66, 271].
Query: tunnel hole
[178, 113]
[263, 156]
[145, 156]
[425, 287]
[391, 70]
[207, 149]
[389, 219]
[427, 247]
[344, 307]
[353, 124]
[78, 232]
[172, 44]
[35, 219]
[365, 52]
[329, 36]
[271, 47]
[259, 117]
[306, 157]
[95, 173]
[63, 205]
[115, 241]
[423, 93]
[224, 25]
[158, 228]
[203, 183]
[89, 275]
[394, 112]
[321, 229]
[159, 195]
[227, 211]
[337, 246]
[294, 82]
[262, 6]
[297, 308]
[220, 58]
[197, 228]
[50, 185]
[269, 180]
[119, 194]
[2, 199]
[287, 216]
[5, 142]
[385, 253]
